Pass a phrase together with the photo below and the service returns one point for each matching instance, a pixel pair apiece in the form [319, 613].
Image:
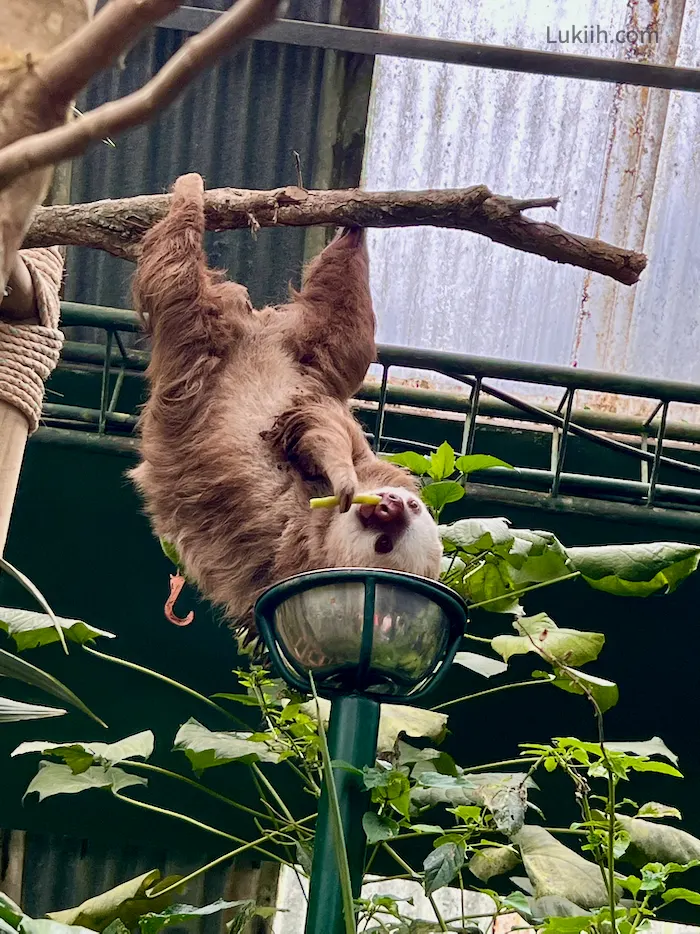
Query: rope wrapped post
[28, 355]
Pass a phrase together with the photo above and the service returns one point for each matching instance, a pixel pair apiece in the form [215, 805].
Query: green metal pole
[352, 738]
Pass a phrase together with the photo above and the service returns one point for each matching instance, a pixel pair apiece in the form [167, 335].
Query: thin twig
[75, 61]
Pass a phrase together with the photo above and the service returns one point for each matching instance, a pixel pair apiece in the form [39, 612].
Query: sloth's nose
[390, 508]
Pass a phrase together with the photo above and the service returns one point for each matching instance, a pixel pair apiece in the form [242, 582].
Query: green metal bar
[74, 413]
[569, 399]
[352, 738]
[452, 363]
[79, 352]
[381, 408]
[469, 434]
[657, 455]
[105, 382]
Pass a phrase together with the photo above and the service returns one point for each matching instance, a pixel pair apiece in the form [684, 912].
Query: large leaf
[438, 495]
[605, 693]
[441, 866]
[493, 861]
[127, 901]
[155, 921]
[656, 810]
[504, 794]
[11, 666]
[474, 536]
[80, 756]
[394, 720]
[416, 463]
[541, 635]
[652, 747]
[30, 630]
[654, 842]
[442, 462]
[10, 912]
[11, 711]
[36, 593]
[469, 463]
[636, 570]
[481, 664]
[555, 870]
[491, 585]
[55, 779]
[536, 556]
[206, 748]
[377, 827]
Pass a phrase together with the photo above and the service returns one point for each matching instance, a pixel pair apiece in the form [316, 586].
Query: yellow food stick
[328, 502]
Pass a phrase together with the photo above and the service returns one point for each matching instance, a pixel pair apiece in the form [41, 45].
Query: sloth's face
[398, 534]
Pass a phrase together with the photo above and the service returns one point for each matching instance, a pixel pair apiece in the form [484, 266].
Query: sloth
[248, 417]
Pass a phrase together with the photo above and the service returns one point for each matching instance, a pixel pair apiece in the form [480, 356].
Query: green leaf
[652, 809]
[80, 756]
[636, 570]
[652, 747]
[54, 779]
[205, 748]
[126, 902]
[555, 870]
[469, 463]
[10, 911]
[31, 630]
[170, 552]
[491, 585]
[474, 536]
[493, 861]
[651, 841]
[568, 924]
[541, 635]
[504, 794]
[441, 866]
[686, 895]
[378, 828]
[117, 927]
[427, 828]
[152, 922]
[11, 666]
[481, 664]
[416, 463]
[536, 557]
[442, 462]
[438, 495]
[12, 711]
[605, 693]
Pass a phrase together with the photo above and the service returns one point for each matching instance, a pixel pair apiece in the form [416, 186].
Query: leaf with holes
[442, 866]
[206, 748]
[541, 635]
[474, 536]
[54, 779]
[80, 756]
[636, 570]
[504, 794]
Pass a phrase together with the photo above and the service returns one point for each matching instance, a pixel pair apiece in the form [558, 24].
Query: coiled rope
[29, 352]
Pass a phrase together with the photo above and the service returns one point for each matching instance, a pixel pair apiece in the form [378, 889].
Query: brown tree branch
[64, 72]
[117, 226]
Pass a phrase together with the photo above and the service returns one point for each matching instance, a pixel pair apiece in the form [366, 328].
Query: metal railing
[645, 450]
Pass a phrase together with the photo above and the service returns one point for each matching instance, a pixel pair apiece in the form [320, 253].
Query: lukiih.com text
[596, 35]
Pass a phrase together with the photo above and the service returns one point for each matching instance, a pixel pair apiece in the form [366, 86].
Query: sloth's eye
[414, 505]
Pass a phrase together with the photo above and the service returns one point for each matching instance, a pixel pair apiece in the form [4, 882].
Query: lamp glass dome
[376, 632]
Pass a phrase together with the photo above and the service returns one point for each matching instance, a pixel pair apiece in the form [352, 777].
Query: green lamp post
[366, 636]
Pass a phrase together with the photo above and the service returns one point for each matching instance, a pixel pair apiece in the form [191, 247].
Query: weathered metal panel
[238, 124]
[595, 145]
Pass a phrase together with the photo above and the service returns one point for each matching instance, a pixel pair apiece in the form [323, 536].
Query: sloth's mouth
[383, 545]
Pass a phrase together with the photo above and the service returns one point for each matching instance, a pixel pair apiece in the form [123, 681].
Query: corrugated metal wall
[624, 161]
[237, 125]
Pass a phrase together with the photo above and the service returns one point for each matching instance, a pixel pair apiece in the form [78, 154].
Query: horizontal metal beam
[455, 364]
[501, 58]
